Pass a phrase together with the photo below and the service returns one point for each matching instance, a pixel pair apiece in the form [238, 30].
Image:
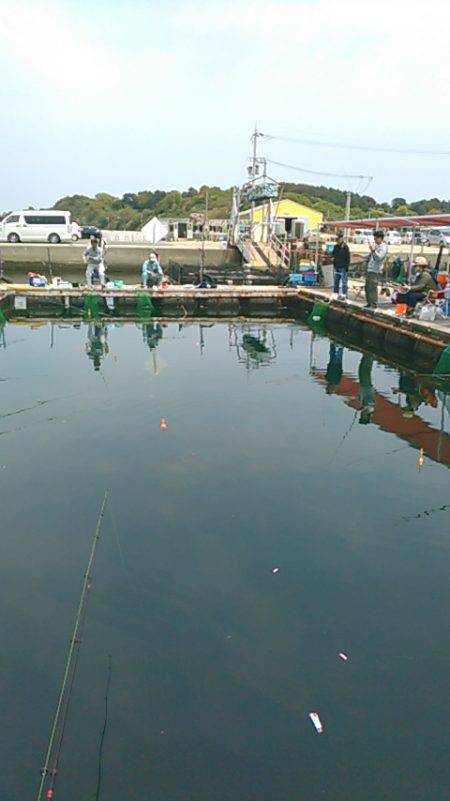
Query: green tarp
[145, 306]
[92, 305]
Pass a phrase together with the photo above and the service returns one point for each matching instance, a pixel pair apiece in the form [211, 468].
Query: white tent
[154, 230]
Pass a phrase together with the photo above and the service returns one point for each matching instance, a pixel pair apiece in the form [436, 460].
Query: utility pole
[348, 203]
[254, 171]
[205, 222]
[255, 138]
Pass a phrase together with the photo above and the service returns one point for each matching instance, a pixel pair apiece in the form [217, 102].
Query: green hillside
[132, 210]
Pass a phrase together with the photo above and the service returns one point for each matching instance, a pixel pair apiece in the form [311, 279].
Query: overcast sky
[118, 95]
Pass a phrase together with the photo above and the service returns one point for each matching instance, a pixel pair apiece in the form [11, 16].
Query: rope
[69, 665]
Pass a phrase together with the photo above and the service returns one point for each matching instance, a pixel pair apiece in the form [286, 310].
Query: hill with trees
[133, 210]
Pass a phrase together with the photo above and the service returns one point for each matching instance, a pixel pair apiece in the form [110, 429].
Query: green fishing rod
[53, 753]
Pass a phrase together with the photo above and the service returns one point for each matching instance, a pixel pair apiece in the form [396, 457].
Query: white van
[392, 238]
[363, 236]
[39, 226]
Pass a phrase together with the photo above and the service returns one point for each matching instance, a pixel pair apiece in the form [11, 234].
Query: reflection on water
[97, 343]
[277, 520]
[254, 345]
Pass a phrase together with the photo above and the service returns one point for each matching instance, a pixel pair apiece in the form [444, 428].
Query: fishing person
[93, 259]
[375, 264]
[341, 263]
[412, 294]
[152, 272]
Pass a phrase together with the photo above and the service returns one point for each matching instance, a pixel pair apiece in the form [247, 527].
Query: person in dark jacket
[420, 287]
[341, 263]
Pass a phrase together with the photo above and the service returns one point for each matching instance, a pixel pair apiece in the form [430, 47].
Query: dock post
[49, 262]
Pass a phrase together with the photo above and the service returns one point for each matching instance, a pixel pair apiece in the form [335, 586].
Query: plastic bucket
[328, 275]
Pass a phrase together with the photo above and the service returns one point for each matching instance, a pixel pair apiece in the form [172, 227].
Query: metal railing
[282, 250]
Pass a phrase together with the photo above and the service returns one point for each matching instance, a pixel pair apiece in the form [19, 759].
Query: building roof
[425, 220]
[286, 208]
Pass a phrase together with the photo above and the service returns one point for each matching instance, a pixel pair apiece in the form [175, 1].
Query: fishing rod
[49, 775]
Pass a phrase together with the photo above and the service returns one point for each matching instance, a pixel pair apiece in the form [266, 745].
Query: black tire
[54, 239]
[75, 237]
[14, 238]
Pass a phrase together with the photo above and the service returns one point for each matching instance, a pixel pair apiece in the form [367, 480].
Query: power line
[317, 172]
[371, 148]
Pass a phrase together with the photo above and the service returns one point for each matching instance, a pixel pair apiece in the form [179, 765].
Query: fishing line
[116, 535]
[339, 445]
[70, 669]
[102, 736]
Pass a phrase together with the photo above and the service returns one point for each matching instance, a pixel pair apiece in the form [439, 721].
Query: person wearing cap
[152, 272]
[93, 259]
[375, 264]
[412, 294]
[341, 263]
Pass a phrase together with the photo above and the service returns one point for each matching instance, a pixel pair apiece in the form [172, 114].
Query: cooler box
[302, 279]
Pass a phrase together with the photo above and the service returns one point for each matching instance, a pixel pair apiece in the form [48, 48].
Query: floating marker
[343, 656]
[163, 424]
[420, 459]
[275, 570]
[317, 723]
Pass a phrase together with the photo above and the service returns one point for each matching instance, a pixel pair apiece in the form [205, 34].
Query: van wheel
[13, 238]
[54, 239]
[75, 237]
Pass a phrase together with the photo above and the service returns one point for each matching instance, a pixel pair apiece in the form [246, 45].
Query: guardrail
[282, 250]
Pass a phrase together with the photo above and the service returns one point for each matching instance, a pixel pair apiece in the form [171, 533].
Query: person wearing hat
[341, 263]
[152, 272]
[93, 259]
[412, 294]
[378, 253]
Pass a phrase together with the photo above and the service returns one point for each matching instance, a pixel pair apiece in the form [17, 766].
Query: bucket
[328, 275]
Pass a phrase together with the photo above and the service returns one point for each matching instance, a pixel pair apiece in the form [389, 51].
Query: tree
[134, 209]
[398, 201]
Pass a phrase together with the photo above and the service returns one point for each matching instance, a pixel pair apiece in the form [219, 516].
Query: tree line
[133, 210]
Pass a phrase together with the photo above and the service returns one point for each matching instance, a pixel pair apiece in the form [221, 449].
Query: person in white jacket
[93, 259]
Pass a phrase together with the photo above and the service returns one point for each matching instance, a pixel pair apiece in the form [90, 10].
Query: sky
[125, 95]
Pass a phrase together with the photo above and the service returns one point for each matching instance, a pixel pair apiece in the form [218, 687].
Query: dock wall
[408, 342]
[64, 259]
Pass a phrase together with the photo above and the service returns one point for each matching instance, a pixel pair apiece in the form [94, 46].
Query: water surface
[281, 450]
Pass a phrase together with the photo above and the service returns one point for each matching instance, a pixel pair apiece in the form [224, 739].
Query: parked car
[363, 236]
[420, 237]
[39, 225]
[392, 238]
[438, 236]
[86, 231]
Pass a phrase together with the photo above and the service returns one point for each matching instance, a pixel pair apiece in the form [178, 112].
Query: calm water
[216, 661]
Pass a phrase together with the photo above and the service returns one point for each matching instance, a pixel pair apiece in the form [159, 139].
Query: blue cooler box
[302, 279]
